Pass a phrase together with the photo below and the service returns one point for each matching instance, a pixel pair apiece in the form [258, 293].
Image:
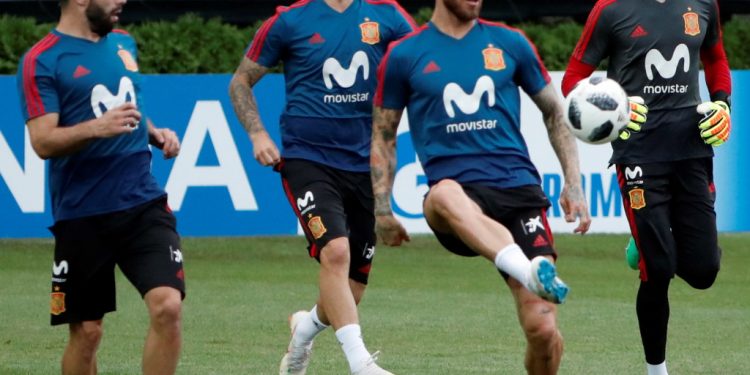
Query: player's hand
[390, 231]
[638, 112]
[264, 149]
[166, 140]
[716, 123]
[116, 121]
[574, 206]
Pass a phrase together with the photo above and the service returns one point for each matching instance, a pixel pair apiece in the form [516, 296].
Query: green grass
[430, 312]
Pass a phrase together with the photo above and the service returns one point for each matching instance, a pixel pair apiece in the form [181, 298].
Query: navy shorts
[523, 210]
[332, 203]
[142, 241]
[670, 209]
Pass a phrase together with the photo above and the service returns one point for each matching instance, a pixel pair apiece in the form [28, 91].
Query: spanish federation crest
[493, 58]
[370, 32]
[692, 23]
[317, 228]
[637, 199]
[57, 303]
[127, 60]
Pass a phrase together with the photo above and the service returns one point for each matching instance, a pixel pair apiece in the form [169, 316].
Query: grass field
[428, 311]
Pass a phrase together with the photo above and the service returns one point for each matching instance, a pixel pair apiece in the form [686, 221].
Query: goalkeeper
[664, 157]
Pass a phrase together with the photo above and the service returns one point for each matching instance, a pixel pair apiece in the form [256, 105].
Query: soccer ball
[597, 110]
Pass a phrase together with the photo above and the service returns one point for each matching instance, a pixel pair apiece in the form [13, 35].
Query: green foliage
[422, 16]
[736, 42]
[17, 35]
[554, 42]
[195, 45]
[190, 45]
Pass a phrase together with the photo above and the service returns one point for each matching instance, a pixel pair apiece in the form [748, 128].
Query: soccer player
[81, 97]
[459, 78]
[664, 166]
[330, 50]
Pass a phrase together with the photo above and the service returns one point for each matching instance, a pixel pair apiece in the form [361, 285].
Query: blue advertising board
[216, 188]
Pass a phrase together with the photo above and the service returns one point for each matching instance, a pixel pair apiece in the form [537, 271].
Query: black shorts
[523, 210]
[331, 203]
[141, 240]
[670, 208]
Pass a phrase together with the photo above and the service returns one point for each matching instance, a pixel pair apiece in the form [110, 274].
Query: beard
[464, 14]
[99, 20]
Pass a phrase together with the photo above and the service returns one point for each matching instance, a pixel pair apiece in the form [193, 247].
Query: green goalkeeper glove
[716, 123]
[638, 111]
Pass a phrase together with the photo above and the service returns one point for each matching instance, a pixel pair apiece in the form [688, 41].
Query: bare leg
[337, 305]
[538, 320]
[80, 353]
[163, 341]
[358, 291]
[449, 210]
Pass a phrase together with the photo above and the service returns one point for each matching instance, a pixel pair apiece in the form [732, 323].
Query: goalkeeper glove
[716, 123]
[638, 111]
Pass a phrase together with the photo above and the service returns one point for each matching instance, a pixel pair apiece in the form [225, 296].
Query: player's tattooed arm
[383, 157]
[241, 92]
[383, 169]
[572, 199]
[560, 137]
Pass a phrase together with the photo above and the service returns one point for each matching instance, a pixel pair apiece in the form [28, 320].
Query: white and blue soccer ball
[597, 110]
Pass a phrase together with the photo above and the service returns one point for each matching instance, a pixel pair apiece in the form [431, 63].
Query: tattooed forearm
[573, 192]
[560, 137]
[243, 100]
[383, 157]
[382, 204]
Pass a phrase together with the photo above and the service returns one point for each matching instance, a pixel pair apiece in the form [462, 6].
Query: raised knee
[443, 196]
[702, 279]
[444, 192]
[336, 254]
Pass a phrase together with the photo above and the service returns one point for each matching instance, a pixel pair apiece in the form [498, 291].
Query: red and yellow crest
[128, 60]
[493, 58]
[316, 227]
[637, 199]
[692, 23]
[57, 303]
[370, 32]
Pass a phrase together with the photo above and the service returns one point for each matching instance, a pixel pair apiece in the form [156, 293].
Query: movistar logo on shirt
[667, 69]
[346, 78]
[455, 96]
[103, 100]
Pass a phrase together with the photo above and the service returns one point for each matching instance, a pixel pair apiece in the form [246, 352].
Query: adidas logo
[316, 39]
[539, 241]
[638, 32]
[80, 71]
[432, 67]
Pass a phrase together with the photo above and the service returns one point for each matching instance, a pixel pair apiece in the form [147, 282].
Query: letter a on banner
[208, 119]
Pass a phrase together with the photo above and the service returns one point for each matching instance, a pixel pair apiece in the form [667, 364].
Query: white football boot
[371, 368]
[544, 281]
[296, 359]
